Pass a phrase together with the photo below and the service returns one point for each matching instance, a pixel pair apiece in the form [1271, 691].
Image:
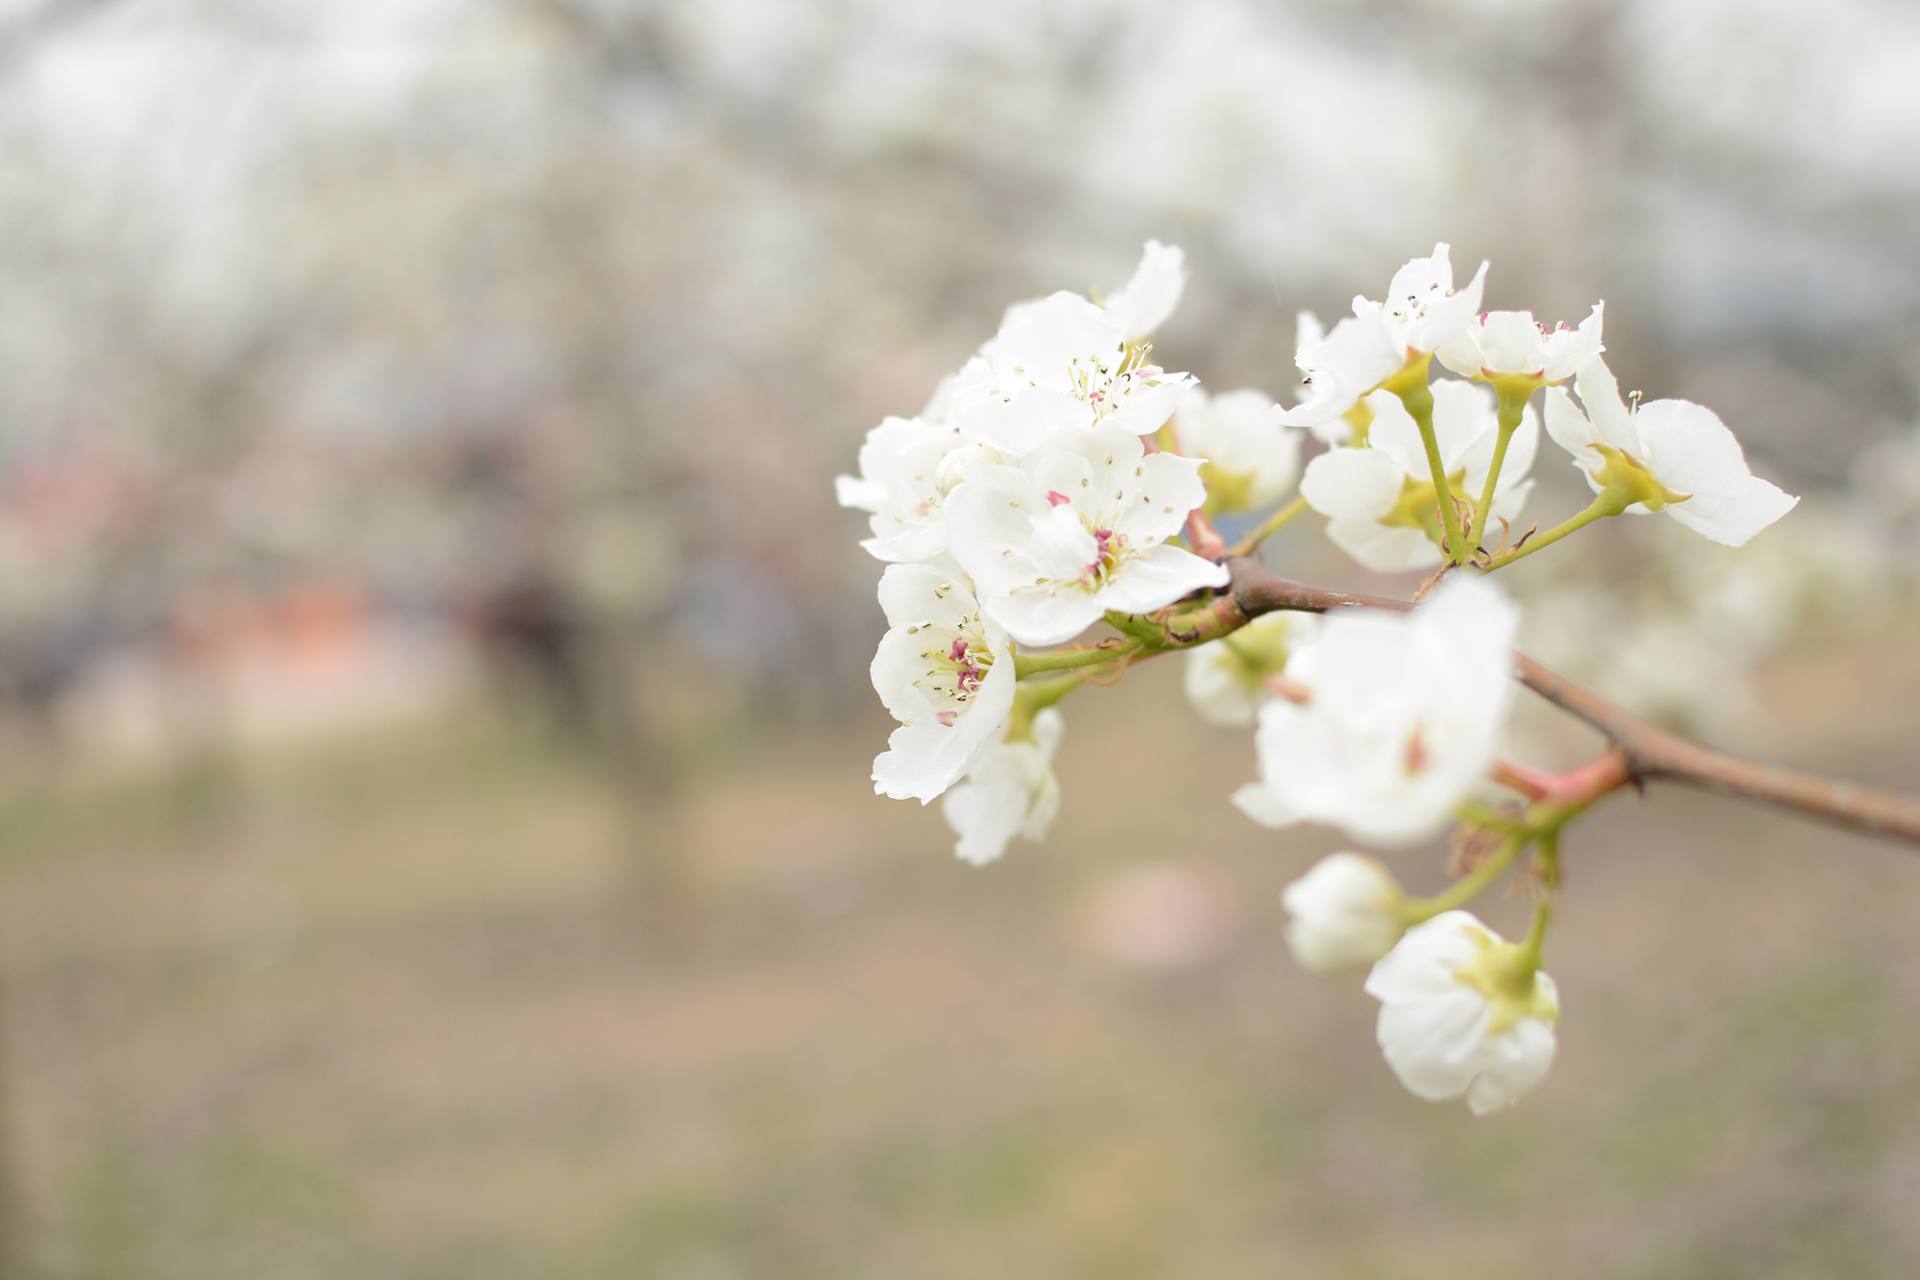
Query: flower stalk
[1547, 861]
[1033, 664]
[1268, 527]
[1606, 503]
[1410, 384]
[1512, 401]
[1469, 886]
[1032, 697]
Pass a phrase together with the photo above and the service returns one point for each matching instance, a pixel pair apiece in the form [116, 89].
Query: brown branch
[1651, 753]
[1203, 539]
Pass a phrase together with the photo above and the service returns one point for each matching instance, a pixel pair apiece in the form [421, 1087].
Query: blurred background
[435, 837]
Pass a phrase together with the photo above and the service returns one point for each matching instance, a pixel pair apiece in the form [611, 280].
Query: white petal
[1511, 342]
[1434, 1044]
[1463, 417]
[1384, 548]
[1393, 431]
[922, 760]
[1143, 304]
[1422, 290]
[1049, 615]
[1469, 617]
[1064, 473]
[1573, 431]
[1425, 961]
[1308, 333]
[1040, 342]
[1461, 354]
[1322, 408]
[926, 757]
[984, 820]
[1264, 806]
[920, 594]
[1345, 913]
[1158, 577]
[1217, 685]
[1022, 421]
[1351, 361]
[855, 491]
[1352, 484]
[1600, 395]
[1691, 451]
[1510, 500]
[1512, 1064]
[1238, 432]
[1447, 318]
[1105, 477]
[1567, 350]
[1147, 403]
[1159, 494]
[1049, 727]
[1006, 534]
[1420, 277]
[1009, 791]
[1521, 450]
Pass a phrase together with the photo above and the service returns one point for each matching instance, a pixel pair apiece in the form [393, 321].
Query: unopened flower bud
[1345, 913]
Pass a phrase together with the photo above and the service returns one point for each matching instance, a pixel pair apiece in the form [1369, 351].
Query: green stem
[1604, 505]
[1034, 696]
[1469, 886]
[1418, 398]
[1513, 406]
[1527, 962]
[1268, 527]
[1033, 664]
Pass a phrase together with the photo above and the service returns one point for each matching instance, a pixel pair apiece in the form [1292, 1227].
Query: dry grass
[399, 1009]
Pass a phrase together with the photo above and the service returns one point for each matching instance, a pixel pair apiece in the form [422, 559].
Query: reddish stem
[1534, 784]
[1202, 538]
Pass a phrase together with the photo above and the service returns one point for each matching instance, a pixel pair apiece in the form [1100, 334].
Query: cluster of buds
[1061, 479]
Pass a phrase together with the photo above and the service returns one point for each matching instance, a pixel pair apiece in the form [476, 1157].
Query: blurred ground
[394, 1006]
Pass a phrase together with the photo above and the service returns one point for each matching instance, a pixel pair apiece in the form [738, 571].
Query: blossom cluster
[1062, 479]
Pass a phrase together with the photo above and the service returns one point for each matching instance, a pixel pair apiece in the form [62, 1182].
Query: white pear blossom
[1078, 528]
[1381, 499]
[1513, 346]
[1421, 308]
[1460, 1016]
[945, 672]
[1345, 913]
[1251, 460]
[1144, 302]
[1338, 369]
[1401, 721]
[904, 477]
[1421, 311]
[1226, 680]
[1308, 334]
[1010, 791]
[1059, 364]
[1673, 455]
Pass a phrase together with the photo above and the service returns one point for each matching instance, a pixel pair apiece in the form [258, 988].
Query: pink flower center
[967, 672]
[1107, 549]
[954, 675]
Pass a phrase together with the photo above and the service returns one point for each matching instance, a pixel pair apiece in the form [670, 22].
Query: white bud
[1345, 913]
[954, 467]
